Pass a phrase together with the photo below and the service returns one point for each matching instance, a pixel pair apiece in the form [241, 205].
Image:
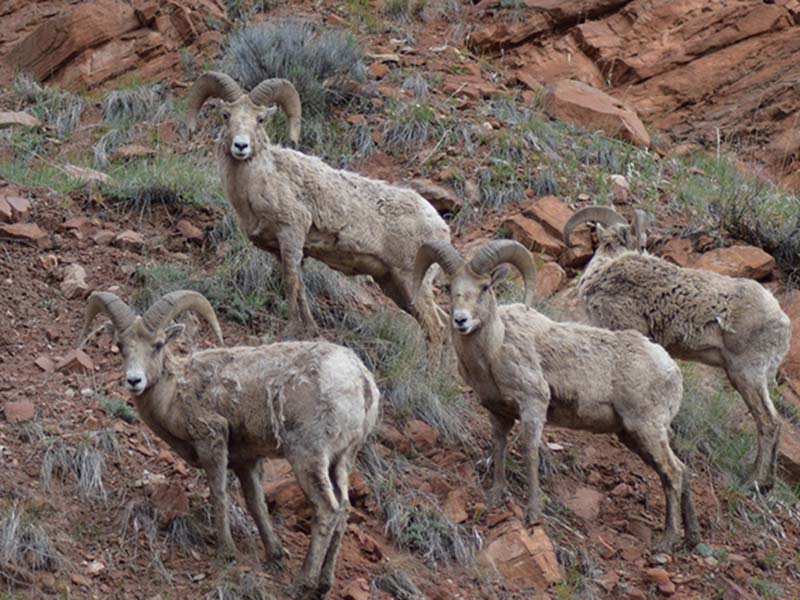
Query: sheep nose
[133, 381]
[241, 146]
[460, 320]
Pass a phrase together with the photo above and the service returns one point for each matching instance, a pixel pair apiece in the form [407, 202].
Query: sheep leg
[754, 391]
[652, 445]
[212, 453]
[692, 533]
[501, 426]
[341, 484]
[291, 250]
[532, 426]
[315, 482]
[250, 477]
[399, 288]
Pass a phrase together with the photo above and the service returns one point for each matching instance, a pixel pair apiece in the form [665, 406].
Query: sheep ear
[272, 110]
[173, 332]
[499, 273]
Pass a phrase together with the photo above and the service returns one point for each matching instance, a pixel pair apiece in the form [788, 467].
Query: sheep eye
[261, 118]
[485, 287]
[225, 116]
[157, 347]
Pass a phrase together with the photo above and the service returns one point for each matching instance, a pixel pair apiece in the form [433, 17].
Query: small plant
[24, 547]
[120, 409]
[320, 62]
[396, 9]
[398, 585]
[240, 585]
[410, 125]
[82, 460]
[60, 111]
[147, 102]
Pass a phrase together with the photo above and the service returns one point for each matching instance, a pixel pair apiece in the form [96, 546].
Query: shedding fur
[524, 366]
[728, 322]
[313, 403]
[294, 205]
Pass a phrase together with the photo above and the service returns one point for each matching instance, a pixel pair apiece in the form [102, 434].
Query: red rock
[75, 360]
[442, 198]
[358, 589]
[620, 189]
[134, 151]
[60, 38]
[74, 283]
[585, 503]
[104, 237]
[533, 235]
[286, 495]
[378, 70]
[455, 506]
[661, 579]
[789, 452]
[528, 78]
[189, 231]
[737, 261]
[86, 175]
[129, 240]
[504, 34]
[80, 223]
[6, 213]
[522, 558]
[170, 500]
[25, 232]
[359, 489]
[22, 119]
[17, 412]
[422, 435]
[80, 580]
[550, 212]
[608, 581]
[20, 208]
[394, 439]
[549, 278]
[45, 364]
[579, 103]
[678, 251]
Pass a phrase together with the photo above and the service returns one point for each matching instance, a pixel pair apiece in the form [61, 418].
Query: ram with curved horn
[524, 366]
[232, 407]
[296, 206]
[728, 322]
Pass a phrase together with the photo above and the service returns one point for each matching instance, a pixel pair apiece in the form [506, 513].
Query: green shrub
[60, 111]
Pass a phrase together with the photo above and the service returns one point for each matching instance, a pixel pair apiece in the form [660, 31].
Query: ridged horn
[507, 251]
[601, 214]
[169, 305]
[640, 222]
[121, 315]
[210, 85]
[439, 252]
[284, 94]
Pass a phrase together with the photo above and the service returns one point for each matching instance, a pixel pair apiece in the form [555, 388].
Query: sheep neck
[157, 406]
[236, 175]
[477, 351]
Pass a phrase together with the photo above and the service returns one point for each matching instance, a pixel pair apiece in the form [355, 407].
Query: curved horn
[511, 252]
[169, 305]
[284, 94]
[640, 222]
[601, 214]
[210, 85]
[439, 252]
[121, 315]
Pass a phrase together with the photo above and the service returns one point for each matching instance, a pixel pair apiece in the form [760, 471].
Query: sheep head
[142, 339]
[614, 233]
[472, 299]
[245, 114]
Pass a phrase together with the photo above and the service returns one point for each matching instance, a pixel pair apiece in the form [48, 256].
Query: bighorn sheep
[524, 366]
[294, 205]
[312, 402]
[727, 322]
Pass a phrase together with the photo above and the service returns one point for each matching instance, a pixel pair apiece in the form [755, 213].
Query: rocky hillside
[505, 119]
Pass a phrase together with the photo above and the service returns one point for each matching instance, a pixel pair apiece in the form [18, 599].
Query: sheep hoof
[533, 516]
[496, 495]
[692, 538]
[302, 590]
[760, 483]
[665, 545]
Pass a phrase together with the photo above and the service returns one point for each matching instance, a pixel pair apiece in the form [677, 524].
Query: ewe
[294, 205]
[524, 366]
[311, 402]
[726, 322]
